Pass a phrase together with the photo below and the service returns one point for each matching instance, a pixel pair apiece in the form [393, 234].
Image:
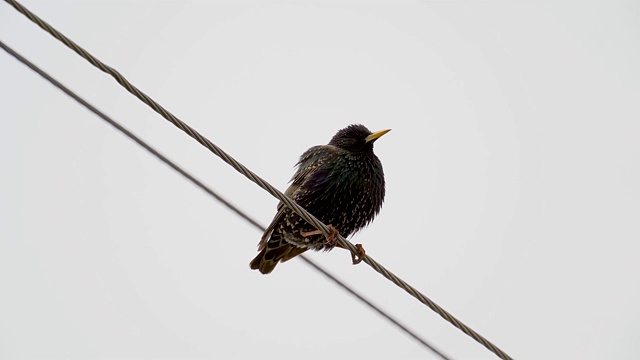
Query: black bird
[342, 184]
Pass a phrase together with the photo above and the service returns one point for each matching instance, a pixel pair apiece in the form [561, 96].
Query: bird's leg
[331, 239]
[309, 233]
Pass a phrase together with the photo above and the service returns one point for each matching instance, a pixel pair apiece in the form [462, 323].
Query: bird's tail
[275, 250]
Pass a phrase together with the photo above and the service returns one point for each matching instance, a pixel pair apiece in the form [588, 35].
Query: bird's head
[356, 138]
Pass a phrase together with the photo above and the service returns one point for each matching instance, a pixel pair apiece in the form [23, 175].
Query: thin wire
[209, 191]
[256, 179]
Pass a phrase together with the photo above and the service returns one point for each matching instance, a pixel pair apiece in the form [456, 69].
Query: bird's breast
[351, 195]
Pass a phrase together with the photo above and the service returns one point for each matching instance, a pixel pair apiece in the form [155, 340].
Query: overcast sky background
[512, 178]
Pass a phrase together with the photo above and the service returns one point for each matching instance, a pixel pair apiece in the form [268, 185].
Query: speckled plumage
[341, 183]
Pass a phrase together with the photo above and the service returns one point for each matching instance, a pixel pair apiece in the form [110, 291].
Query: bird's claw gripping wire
[357, 259]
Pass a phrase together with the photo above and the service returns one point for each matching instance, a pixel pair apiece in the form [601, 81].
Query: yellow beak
[376, 135]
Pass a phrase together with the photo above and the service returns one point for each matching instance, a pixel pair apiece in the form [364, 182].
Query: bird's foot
[331, 239]
[357, 259]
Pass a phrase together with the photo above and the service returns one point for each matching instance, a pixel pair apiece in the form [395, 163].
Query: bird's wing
[267, 233]
[312, 160]
[309, 162]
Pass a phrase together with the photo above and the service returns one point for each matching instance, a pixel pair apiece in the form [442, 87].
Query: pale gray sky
[512, 172]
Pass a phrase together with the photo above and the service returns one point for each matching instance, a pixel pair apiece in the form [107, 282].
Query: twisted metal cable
[209, 191]
[256, 179]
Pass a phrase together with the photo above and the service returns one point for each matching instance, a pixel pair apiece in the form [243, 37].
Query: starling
[342, 184]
